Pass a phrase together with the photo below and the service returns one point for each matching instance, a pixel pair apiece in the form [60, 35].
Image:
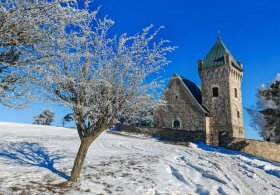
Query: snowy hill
[35, 158]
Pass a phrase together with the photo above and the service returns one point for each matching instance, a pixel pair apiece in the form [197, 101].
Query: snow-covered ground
[35, 158]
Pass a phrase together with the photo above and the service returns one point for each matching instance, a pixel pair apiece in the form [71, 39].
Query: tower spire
[219, 34]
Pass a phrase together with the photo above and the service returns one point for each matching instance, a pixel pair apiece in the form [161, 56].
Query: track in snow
[124, 165]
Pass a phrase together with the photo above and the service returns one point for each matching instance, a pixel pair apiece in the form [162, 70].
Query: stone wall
[167, 134]
[263, 149]
[211, 136]
[224, 108]
[267, 150]
[181, 106]
[236, 103]
[219, 107]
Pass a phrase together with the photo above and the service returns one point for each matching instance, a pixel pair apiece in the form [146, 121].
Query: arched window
[238, 114]
[215, 91]
[235, 92]
[176, 124]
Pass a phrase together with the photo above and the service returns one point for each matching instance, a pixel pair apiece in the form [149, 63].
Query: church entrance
[176, 124]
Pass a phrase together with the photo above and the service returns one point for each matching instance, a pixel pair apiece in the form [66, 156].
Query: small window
[176, 124]
[215, 92]
[176, 97]
[238, 114]
[235, 92]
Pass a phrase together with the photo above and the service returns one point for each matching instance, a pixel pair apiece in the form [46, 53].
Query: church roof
[216, 56]
[194, 90]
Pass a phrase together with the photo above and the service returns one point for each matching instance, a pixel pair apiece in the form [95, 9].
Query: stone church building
[215, 107]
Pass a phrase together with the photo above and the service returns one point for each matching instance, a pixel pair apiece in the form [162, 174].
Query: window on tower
[235, 92]
[215, 91]
[238, 114]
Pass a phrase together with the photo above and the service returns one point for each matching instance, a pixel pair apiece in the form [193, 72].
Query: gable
[191, 90]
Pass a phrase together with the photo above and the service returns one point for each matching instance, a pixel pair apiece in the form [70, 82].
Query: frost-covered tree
[272, 114]
[257, 119]
[266, 115]
[29, 30]
[45, 118]
[141, 118]
[101, 77]
[67, 118]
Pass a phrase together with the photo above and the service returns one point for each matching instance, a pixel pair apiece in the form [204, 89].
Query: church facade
[215, 107]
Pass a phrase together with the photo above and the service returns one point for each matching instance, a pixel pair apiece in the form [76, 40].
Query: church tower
[221, 77]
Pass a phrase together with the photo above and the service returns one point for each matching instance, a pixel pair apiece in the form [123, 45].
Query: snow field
[35, 158]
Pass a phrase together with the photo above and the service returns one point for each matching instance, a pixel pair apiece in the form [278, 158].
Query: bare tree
[101, 78]
[29, 29]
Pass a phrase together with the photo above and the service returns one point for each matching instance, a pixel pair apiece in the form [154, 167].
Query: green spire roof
[216, 56]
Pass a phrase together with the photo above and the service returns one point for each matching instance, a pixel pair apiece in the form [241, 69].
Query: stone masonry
[216, 108]
[224, 74]
[181, 106]
[212, 113]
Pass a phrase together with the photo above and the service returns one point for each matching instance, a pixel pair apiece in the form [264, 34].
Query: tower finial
[219, 34]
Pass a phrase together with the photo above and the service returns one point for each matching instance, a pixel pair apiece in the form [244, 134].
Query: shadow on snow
[250, 158]
[32, 154]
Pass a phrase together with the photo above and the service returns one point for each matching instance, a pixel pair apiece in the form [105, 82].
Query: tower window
[238, 114]
[176, 97]
[176, 124]
[235, 92]
[215, 91]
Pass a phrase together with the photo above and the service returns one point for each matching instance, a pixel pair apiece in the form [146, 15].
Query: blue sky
[250, 29]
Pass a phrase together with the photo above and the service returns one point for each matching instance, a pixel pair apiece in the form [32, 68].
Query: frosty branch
[29, 30]
[102, 78]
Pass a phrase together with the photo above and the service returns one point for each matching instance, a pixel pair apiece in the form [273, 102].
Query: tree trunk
[84, 146]
[79, 161]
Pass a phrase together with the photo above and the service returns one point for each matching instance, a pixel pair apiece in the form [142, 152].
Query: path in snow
[33, 158]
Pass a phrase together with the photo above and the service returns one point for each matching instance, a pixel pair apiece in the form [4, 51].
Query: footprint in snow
[178, 175]
[201, 190]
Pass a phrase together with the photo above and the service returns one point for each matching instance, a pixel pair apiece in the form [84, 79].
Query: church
[215, 107]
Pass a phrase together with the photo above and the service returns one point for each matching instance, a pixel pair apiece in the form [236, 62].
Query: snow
[33, 159]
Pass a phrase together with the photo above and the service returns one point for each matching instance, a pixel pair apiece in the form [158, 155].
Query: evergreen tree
[272, 115]
[266, 114]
